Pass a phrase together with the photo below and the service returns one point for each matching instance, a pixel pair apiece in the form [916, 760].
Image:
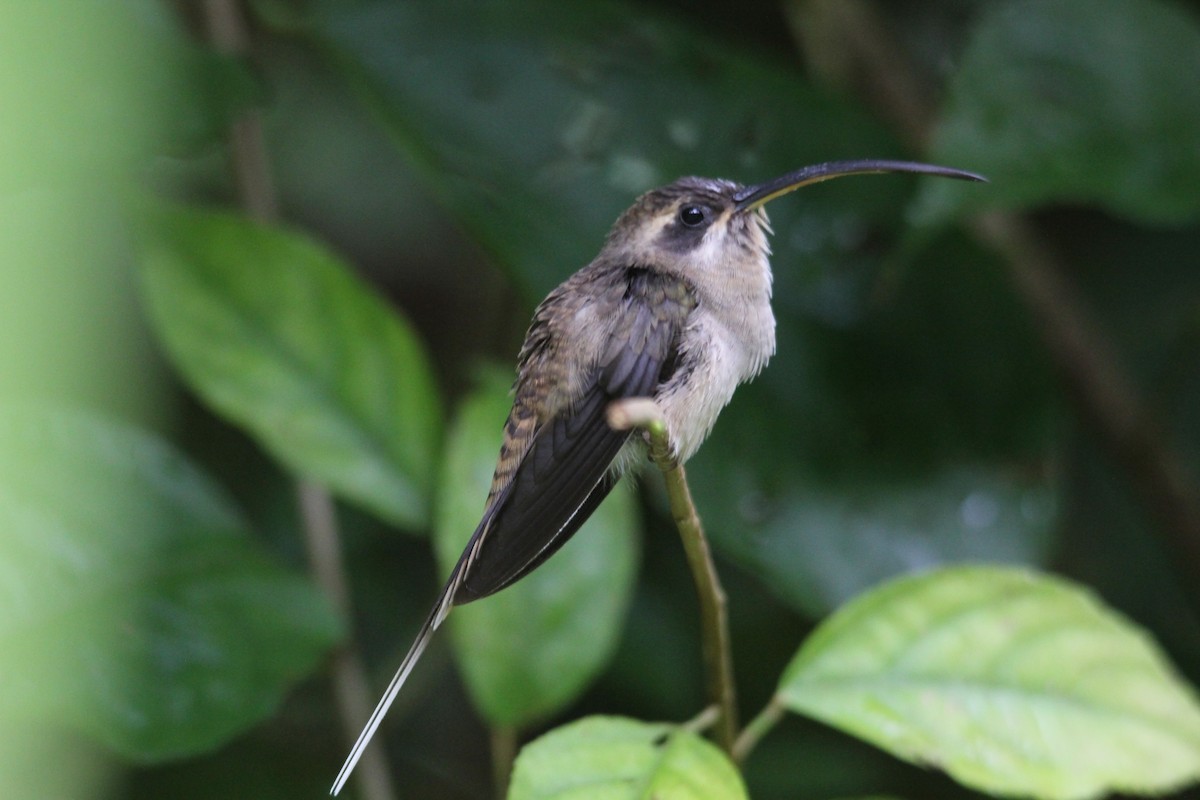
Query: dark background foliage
[1005, 374]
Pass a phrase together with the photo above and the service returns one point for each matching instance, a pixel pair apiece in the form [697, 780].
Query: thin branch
[757, 728]
[714, 621]
[504, 753]
[256, 192]
[350, 685]
[702, 721]
[247, 145]
[848, 44]
[1105, 398]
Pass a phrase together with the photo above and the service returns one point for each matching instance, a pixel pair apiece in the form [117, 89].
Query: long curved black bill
[754, 196]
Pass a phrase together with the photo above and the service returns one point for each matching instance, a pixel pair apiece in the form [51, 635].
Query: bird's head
[699, 226]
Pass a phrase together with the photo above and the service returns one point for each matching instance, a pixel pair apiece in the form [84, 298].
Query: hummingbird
[677, 308]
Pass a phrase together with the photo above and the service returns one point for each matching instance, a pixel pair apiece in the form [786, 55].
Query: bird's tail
[440, 609]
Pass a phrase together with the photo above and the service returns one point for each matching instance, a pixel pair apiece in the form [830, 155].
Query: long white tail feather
[440, 609]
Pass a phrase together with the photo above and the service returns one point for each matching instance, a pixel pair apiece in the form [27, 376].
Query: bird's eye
[692, 216]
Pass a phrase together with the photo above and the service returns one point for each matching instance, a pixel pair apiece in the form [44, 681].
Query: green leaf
[277, 335]
[1012, 682]
[817, 543]
[136, 607]
[538, 122]
[534, 647]
[1077, 101]
[613, 758]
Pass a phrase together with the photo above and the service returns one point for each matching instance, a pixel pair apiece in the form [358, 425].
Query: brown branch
[847, 44]
[247, 145]
[350, 686]
[256, 192]
[1104, 398]
[1102, 394]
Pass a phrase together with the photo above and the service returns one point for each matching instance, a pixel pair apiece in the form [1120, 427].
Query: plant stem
[714, 621]
[247, 146]
[350, 686]
[702, 721]
[504, 752]
[1105, 398]
[229, 34]
[644, 413]
[757, 728]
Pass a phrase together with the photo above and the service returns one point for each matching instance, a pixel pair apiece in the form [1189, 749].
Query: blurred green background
[925, 405]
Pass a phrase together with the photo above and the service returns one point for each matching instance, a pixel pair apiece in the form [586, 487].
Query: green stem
[714, 622]
[702, 721]
[756, 729]
[504, 751]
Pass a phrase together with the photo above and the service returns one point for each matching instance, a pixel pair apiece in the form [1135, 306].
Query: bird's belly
[691, 405]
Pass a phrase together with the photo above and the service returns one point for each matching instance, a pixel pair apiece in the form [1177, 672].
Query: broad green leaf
[1076, 101]
[277, 335]
[613, 758]
[1014, 683]
[538, 123]
[534, 647]
[818, 543]
[135, 605]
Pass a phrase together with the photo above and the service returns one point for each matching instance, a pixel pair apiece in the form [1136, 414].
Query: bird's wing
[565, 473]
[563, 476]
